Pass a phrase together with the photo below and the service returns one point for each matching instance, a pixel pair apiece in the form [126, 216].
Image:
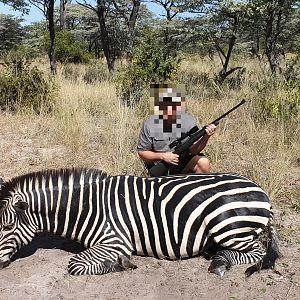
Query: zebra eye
[8, 226]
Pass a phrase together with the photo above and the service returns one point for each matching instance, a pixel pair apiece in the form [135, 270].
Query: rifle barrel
[216, 121]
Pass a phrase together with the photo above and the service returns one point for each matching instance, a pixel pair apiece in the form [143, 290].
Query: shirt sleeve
[189, 122]
[145, 141]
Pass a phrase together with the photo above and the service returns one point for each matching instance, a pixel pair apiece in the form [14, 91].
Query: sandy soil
[39, 270]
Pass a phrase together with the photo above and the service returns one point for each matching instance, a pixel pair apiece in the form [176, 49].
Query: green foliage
[151, 63]
[18, 59]
[35, 33]
[11, 32]
[67, 49]
[25, 88]
[20, 5]
[282, 103]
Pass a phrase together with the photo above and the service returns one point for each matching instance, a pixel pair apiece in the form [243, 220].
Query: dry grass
[89, 128]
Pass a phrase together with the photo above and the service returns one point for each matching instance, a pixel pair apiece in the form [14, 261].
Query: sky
[36, 15]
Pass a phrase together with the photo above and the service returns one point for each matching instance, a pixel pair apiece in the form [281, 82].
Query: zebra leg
[99, 259]
[272, 254]
[224, 259]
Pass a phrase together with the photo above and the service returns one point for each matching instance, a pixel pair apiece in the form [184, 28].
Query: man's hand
[170, 158]
[210, 129]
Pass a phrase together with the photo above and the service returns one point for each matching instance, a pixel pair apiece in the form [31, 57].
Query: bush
[18, 59]
[151, 63]
[28, 90]
[67, 49]
[278, 100]
[24, 88]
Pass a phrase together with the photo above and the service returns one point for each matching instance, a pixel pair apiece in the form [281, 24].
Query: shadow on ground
[48, 241]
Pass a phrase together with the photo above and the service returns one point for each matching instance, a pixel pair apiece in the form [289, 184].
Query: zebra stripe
[116, 216]
[80, 205]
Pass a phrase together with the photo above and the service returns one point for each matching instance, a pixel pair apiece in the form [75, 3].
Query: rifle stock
[161, 168]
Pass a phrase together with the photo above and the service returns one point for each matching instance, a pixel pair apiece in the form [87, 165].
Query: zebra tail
[272, 253]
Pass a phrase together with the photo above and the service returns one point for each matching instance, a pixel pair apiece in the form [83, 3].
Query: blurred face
[170, 110]
[167, 103]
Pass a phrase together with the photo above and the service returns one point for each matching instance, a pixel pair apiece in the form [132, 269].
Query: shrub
[18, 59]
[278, 100]
[67, 49]
[23, 87]
[28, 90]
[151, 63]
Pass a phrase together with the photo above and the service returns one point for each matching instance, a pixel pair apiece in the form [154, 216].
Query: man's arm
[197, 147]
[151, 156]
[147, 155]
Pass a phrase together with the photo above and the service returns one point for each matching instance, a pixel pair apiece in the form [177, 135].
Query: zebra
[114, 217]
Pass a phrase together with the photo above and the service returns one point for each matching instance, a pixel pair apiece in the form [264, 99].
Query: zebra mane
[13, 183]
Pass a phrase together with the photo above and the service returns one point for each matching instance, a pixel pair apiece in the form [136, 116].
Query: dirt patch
[40, 273]
[39, 270]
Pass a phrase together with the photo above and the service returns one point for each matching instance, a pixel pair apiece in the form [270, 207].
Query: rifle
[183, 143]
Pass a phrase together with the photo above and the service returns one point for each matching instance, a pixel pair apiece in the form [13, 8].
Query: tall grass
[90, 128]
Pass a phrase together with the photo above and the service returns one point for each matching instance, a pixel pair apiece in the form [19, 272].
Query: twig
[289, 290]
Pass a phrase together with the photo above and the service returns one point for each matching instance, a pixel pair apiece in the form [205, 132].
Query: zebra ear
[20, 206]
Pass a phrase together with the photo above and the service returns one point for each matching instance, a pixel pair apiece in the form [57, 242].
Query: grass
[90, 128]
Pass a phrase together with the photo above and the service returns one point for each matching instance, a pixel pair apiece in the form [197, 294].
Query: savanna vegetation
[79, 81]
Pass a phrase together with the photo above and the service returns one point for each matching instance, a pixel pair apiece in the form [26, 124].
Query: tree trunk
[273, 30]
[52, 37]
[62, 14]
[224, 73]
[270, 42]
[134, 15]
[131, 25]
[110, 57]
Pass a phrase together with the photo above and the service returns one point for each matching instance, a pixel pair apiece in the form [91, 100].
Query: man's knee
[202, 165]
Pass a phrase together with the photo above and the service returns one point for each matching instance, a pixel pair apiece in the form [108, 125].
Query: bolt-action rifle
[182, 144]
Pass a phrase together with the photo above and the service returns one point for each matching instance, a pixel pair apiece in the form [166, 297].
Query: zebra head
[14, 226]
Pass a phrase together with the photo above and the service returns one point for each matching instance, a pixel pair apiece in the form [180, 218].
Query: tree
[270, 21]
[11, 32]
[172, 10]
[47, 8]
[62, 13]
[20, 5]
[151, 63]
[116, 13]
[220, 30]
[82, 23]
[35, 33]
[228, 20]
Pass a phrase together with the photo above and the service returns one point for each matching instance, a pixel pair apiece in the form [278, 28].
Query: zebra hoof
[125, 263]
[219, 266]
[251, 270]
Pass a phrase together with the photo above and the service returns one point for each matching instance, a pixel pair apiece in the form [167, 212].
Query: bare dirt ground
[40, 269]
